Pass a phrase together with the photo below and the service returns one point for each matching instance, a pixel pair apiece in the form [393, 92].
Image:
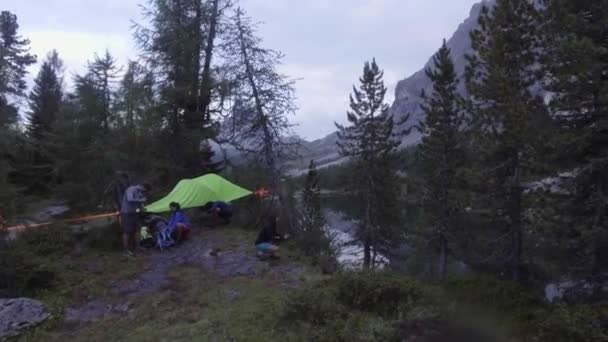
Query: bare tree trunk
[206, 86]
[443, 256]
[516, 223]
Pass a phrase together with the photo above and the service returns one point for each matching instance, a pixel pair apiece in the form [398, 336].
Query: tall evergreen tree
[576, 61]
[507, 117]
[371, 141]
[442, 152]
[14, 60]
[180, 45]
[45, 102]
[103, 74]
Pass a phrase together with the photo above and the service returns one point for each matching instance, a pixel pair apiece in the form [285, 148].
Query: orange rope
[72, 220]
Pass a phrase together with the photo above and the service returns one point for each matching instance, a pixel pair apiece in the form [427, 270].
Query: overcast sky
[325, 41]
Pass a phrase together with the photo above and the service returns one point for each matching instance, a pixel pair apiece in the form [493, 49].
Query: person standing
[131, 205]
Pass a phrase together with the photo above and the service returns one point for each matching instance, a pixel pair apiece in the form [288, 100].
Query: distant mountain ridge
[407, 98]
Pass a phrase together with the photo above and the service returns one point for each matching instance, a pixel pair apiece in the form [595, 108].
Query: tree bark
[516, 221]
[443, 256]
[206, 86]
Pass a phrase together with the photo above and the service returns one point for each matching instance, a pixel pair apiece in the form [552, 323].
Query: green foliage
[372, 140]
[501, 296]
[382, 294]
[14, 58]
[575, 59]
[507, 119]
[442, 154]
[311, 234]
[29, 263]
[575, 323]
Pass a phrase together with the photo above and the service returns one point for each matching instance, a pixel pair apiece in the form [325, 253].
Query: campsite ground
[180, 294]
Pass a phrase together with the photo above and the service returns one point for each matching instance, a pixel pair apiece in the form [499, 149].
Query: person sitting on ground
[179, 225]
[132, 204]
[220, 209]
[266, 242]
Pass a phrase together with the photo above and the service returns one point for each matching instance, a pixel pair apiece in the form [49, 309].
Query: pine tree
[313, 217]
[372, 141]
[14, 60]
[507, 117]
[442, 153]
[45, 103]
[102, 73]
[576, 61]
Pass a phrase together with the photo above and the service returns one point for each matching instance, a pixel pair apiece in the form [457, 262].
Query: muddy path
[223, 254]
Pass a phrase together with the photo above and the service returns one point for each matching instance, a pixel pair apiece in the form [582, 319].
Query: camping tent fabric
[191, 193]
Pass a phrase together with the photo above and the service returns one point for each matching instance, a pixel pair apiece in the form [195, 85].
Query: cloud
[323, 95]
[325, 42]
[77, 48]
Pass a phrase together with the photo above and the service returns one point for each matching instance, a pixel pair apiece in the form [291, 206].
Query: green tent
[190, 193]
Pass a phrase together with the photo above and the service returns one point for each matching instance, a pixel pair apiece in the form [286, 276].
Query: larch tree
[263, 99]
[507, 120]
[442, 154]
[179, 46]
[371, 141]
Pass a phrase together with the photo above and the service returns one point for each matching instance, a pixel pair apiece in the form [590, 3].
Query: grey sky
[325, 41]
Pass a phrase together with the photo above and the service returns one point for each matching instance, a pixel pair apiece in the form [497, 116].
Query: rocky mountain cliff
[407, 97]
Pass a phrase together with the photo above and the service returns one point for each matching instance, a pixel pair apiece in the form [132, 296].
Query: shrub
[356, 306]
[385, 294]
[27, 264]
[501, 295]
[575, 323]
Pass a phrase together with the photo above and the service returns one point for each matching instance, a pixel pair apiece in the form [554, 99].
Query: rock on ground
[17, 314]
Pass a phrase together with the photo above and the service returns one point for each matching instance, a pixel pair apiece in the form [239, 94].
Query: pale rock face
[407, 97]
[408, 91]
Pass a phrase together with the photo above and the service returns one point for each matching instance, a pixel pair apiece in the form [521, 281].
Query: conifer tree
[102, 73]
[576, 60]
[45, 102]
[507, 118]
[14, 60]
[313, 217]
[442, 153]
[263, 99]
[179, 46]
[314, 239]
[371, 141]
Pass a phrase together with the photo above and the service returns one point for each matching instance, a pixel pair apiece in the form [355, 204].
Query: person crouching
[266, 242]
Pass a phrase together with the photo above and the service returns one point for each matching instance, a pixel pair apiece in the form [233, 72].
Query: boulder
[18, 314]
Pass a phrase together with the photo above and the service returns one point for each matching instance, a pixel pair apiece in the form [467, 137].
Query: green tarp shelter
[191, 193]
